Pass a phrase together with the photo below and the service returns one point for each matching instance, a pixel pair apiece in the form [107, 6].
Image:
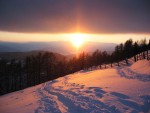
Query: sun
[77, 40]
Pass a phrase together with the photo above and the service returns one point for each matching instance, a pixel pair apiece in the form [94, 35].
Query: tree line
[16, 74]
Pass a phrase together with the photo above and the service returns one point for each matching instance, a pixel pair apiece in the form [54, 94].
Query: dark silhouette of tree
[135, 50]
[128, 48]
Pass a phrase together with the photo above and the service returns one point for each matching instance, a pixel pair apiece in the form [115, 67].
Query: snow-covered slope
[123, 89]
[142, 66]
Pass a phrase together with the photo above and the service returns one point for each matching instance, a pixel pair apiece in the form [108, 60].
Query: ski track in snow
[80, 99]
[130, 74]
[77, 99]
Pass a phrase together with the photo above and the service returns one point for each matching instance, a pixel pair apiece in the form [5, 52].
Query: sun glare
[77, 40]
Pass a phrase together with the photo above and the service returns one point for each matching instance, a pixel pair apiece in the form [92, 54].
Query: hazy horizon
[36, 37]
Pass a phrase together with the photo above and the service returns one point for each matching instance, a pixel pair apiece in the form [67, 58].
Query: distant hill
[23, 55]
[5, 48]
[64, 48]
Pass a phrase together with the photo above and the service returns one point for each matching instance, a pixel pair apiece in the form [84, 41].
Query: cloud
[66, 16]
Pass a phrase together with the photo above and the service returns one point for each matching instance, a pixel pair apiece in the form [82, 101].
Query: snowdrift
[117, 90]
[141, 66]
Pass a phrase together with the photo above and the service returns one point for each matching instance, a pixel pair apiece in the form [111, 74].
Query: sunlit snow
[115, 90]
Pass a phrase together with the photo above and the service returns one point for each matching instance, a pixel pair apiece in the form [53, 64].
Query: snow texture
[117, 90]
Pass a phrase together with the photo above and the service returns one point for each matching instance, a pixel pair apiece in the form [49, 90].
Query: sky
[56, 20]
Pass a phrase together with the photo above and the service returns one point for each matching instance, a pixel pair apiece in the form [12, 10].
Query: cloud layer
[67, 16]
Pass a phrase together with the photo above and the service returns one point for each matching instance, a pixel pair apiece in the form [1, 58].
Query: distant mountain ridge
[61, 47]
[23, 55]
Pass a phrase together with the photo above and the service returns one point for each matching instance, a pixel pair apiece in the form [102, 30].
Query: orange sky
[38, 37]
